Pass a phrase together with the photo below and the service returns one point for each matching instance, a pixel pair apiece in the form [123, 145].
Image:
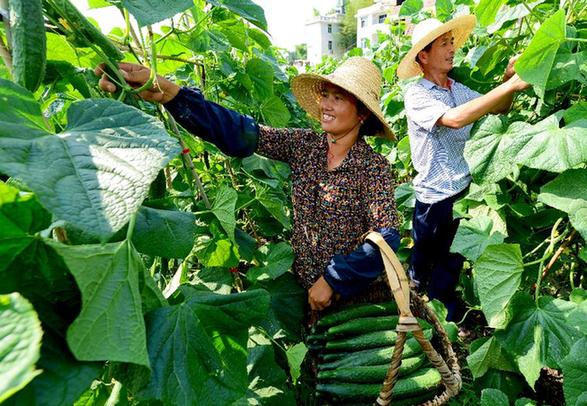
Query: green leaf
[524, 402]
[576, 112]
[567, 193]
[274, 205]
[110, 325]
[275, 112]
[261, 73]
[536, 62]
[444, 9]
[278, 259]
[64, 379]
[295, 357]
[200, 345]
[486, 11]
[288, 304]
[498, 273]
[494, 397]
[20, 344]
[509, 383]
[485, 354]
[574, 367]
[491, 149]
[538, 335]
[96, 173]
[474, 235]
[212, 252]
[578, 317]
[405, 196]
[511, 13]
[224, 209]
[152, 11]
[164, 233]
[411, 8]
[246, 9]
[568, 67]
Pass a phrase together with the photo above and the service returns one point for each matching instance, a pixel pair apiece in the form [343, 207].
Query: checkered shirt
[437, 151]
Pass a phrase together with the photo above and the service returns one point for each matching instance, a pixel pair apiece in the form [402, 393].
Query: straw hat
[357, 75]
[426, 32]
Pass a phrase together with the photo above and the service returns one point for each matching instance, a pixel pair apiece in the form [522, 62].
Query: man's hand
[136, 76]
[509, 70]
[517, 83]
[320, 294]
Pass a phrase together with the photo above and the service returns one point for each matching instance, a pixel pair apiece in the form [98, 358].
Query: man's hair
[426, 48]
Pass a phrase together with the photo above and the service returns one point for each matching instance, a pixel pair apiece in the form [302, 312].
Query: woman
[341, 188]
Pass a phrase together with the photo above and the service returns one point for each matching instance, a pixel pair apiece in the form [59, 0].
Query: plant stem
[131, 226]
[5, 54]
[531, 11]
[114, 397]
[152, 82]
[558, 253]
[547, 254]
[188, 161]
[576, 39]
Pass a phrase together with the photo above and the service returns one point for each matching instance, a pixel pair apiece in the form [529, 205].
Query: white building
[371, 20]
[321, 37]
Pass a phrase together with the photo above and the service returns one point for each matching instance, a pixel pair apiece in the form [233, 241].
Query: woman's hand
[320, 294]
[136, 76]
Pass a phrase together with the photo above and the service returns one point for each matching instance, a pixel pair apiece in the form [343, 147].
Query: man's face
[440, 57]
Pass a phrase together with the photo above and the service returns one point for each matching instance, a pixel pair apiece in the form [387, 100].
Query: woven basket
[409, 306]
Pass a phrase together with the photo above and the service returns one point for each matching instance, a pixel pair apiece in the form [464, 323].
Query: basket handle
[399, 284]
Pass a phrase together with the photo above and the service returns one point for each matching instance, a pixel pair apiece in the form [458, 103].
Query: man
[440, 113]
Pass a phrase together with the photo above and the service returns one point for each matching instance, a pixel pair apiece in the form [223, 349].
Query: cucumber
[370, 373]
[356, 311]
[29, 43]
[363, 325]
[79, 30]
[422, 382]
[373, 356]
[411, 401]
[363, 341]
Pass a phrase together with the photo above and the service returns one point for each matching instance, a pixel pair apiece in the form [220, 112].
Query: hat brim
[307, 88]
[461, 28]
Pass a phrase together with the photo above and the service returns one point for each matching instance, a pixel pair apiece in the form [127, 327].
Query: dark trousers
[433, 266]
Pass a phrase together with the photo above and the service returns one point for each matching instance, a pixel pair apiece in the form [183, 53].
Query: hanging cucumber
[78, 29]
[28, 44]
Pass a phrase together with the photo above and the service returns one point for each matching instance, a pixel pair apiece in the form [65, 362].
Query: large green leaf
[274, 205]
[224, 209]
[277, 260]
[486, 11]
[493, 397]
[21, 216]
[510, 13]
[568, 67]
[295, 357]
[198, 348]
[20, 344]
[577, 111]
[261, 74]
[535, 64]
[164, 233]
[491, 149]
[474, 235]
[152, 11]
[578, 317]
[247, 9]
[275, 112]
[538, 334]
[110, 325]
[288, 306]
[498, 273]
[63, 380]
[411, 8]
[96, 173]
[486, 353]
[567, 193]
[574, 367]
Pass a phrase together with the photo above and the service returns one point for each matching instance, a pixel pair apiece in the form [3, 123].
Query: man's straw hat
[357, 75]
[426, 32]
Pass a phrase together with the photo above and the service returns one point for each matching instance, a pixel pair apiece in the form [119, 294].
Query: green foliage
[574, 369]
[348, 29]
[20, 343]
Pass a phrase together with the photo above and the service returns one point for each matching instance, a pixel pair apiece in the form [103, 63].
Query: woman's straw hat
[357, 75]
[426, 32]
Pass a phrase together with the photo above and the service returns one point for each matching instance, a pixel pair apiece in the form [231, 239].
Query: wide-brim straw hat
[358, 76]
[426, 32]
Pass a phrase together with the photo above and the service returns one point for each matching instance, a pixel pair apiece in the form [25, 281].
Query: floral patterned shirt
[332, 209]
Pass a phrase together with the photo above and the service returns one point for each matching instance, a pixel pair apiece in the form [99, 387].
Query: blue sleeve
[351, 274]
[233, 133]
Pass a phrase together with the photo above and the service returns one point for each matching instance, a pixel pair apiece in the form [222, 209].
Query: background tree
[347, 36]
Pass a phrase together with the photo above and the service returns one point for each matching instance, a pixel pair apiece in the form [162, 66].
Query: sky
[285, 18]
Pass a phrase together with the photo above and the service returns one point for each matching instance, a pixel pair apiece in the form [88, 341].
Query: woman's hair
[371, 125]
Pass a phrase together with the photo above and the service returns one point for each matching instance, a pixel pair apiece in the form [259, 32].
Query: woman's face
[338, 110]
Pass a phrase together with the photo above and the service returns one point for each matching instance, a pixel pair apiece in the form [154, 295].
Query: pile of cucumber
[354, 347]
